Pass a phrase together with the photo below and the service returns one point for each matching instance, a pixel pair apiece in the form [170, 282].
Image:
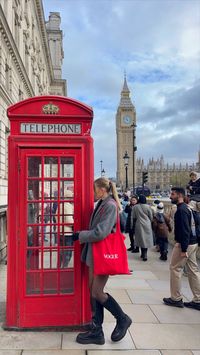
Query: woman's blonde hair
[110, 187]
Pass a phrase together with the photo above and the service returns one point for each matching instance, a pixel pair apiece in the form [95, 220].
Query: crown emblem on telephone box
[50, 109]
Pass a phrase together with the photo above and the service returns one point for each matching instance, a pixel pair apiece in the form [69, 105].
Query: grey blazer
[101, 224]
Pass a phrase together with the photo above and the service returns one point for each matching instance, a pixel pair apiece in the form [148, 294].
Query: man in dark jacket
[184, 253]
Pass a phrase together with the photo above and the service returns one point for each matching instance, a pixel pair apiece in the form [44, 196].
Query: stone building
[31, 55]
[125, 129]
[161, 175]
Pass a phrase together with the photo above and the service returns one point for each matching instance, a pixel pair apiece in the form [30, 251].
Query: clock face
[127, 119]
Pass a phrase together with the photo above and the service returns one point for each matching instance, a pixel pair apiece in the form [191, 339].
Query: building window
[21, 96]
[16, 33]
[7, 76]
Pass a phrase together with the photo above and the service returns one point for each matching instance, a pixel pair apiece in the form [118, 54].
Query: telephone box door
[49, 261]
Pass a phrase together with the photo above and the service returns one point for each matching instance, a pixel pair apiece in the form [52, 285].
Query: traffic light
[144, 177]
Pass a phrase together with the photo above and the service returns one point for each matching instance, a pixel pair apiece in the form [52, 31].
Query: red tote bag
[110, 255]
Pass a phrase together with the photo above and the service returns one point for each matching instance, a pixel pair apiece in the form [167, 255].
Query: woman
[130, 228]
[143, 215]
[102, 222]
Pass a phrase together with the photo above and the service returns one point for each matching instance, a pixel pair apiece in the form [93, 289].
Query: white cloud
[157, 43]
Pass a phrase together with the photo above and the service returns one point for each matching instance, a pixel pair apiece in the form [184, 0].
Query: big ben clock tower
[125, 128]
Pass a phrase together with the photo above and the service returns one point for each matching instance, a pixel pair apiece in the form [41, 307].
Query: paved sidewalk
[156, 329]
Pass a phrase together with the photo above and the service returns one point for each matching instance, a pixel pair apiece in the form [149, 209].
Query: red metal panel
[41, 290]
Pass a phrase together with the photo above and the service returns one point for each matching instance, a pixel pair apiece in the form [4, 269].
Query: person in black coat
[193, 186]
[130, 229]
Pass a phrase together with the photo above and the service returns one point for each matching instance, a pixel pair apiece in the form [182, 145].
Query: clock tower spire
[125, 129]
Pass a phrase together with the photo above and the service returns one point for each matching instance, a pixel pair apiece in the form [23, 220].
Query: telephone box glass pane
[67, 214]
[50, 259]
[66, 258]
[33, 259]
[67, 282]
[34, 166]
[50, 282]
[50, 167]
[67, 167]
[33, 283]
[50, 189]
[34, 188]
[67, 190]
[32, 213]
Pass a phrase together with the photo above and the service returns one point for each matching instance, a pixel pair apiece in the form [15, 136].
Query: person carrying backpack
[161, 227]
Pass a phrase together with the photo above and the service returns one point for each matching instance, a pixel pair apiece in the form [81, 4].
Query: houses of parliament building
[161, 175]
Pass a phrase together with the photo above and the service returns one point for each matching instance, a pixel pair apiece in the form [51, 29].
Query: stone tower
[55, 39]
[125, 129]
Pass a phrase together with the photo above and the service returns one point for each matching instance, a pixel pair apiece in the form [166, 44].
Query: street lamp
[126, 160]
[101, 162]
[103, 172]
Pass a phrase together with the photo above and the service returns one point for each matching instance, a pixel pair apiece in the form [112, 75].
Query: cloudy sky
[157, 43]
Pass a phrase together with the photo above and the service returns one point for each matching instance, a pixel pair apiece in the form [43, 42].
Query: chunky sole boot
[121, 328]
[123, 321]
[94, 336]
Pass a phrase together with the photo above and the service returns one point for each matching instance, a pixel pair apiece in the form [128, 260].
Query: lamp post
[126, 160]
[101, 162]
[103, 172]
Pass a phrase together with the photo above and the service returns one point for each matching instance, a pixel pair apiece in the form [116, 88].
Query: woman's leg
[95, 335]
[108, 302]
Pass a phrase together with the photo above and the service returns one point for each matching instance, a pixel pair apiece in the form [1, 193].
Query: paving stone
[166, 336]
[166, 314]
[138, 313]
[128, 284]
[53, 352]
[120, 296]
[128, 352]
[159, 285]
[30, 340]
[10, 352]
[146, 296]
[176, 352]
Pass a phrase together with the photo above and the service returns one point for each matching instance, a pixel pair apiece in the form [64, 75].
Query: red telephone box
[50, 196]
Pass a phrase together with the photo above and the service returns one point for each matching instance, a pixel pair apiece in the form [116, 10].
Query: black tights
[96, 286]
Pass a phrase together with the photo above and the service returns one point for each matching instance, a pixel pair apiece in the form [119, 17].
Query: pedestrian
[142, 216]
[130, 227]
[154, 208]
[193, 189]
[184, 253]
[161, 227]
[103, 221]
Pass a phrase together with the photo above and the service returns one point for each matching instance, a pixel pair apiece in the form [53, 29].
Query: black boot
[144, 254]
[123, 320]
[163, 256]
[135, 250]
[131, 241]
[95, 335]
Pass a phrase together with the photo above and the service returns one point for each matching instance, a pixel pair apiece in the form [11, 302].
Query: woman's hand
[75, 236]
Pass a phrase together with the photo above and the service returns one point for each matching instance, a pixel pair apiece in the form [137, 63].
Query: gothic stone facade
[161, 176]
[31, 57]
